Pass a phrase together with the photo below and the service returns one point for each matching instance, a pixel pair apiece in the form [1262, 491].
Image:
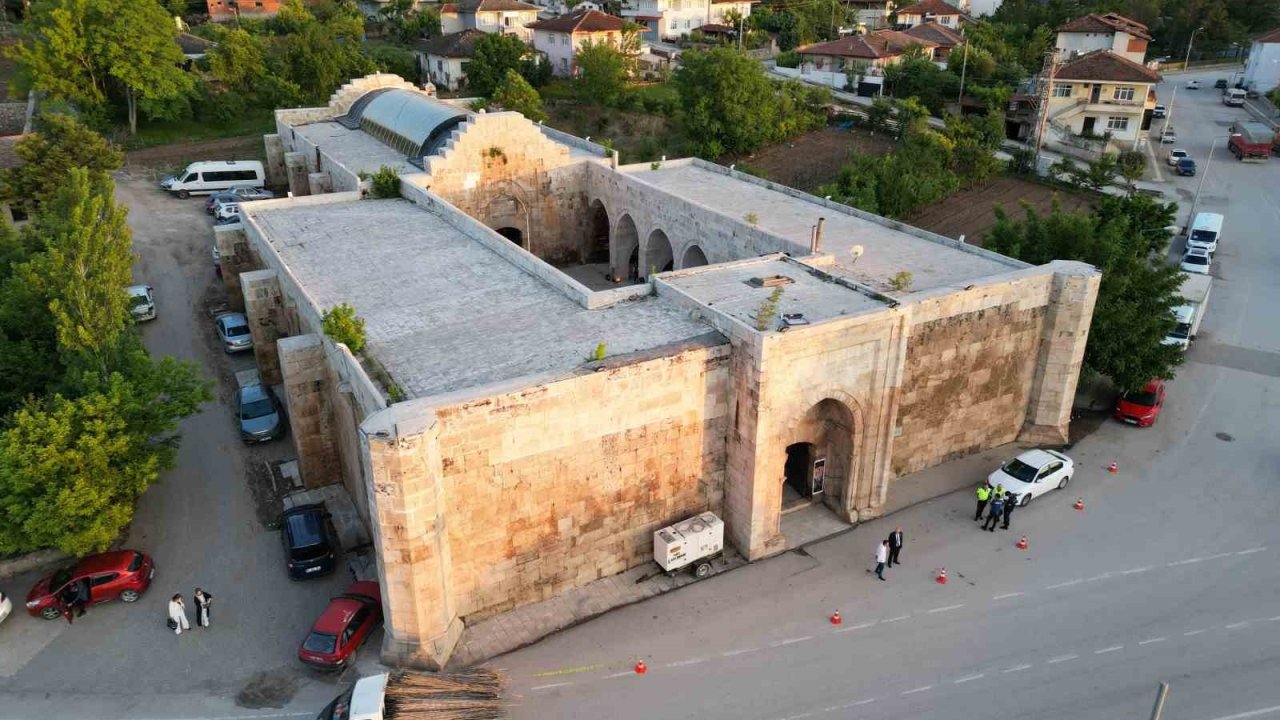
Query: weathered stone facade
[522, 464]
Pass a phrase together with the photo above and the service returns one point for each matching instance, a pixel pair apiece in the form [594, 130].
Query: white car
[1196, 261]
[142, 302]
[1033, 473]
[1168, 136]
[1193, 84]
[1176, 155]
[227, 211]
[6, 606]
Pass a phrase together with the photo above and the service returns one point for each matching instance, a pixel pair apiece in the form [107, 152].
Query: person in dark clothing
[1009, 503]
[895, 546]
[993, 517]
[82, 596]
[202, 601]
[67, 601]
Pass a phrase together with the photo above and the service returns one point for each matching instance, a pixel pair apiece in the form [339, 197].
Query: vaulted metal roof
[410, 122]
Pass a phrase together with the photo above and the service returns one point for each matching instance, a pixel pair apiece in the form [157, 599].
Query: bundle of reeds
[471, 694]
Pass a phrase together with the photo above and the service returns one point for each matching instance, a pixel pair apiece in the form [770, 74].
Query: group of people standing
[1001, 502]
[178, 611]
[888, 550]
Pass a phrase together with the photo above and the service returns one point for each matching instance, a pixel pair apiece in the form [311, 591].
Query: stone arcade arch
[825, 437]
[658, 256]
[625, 249]
[596, 248]
[693, 257]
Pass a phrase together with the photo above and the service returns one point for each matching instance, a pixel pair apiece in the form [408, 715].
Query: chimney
[815, 242]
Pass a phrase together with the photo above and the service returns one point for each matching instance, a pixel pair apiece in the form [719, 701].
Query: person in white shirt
[882, 555]
[178, 615]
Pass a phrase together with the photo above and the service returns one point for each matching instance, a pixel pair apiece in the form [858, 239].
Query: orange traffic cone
[1079, 504]
[641, 668]
[1113, 468]
[835, 618]
[1022, 543]
[942, 576]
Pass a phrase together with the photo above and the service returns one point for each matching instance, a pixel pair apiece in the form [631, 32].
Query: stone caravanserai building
[565, 353]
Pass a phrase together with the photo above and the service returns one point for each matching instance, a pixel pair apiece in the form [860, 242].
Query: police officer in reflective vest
[984, 494]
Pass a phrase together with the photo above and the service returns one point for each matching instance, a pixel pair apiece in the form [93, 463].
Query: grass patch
[151, 134]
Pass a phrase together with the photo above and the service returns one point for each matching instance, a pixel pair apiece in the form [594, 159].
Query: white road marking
[1233, 626]
[1007, 595]
[1273, 619]
[1194, 632]
[692, 661]
[789, 641]
[1018, 668]
[548, 687]
[1136, 570]
[1103, 576]
[1061, 658]
[868, 701]
[798, 717]
[624, 673]
[1250, 551]
[859, 626]
[917, 690]
[1251, 713]
[979, 676]
[1188, 561]
[1069, 583]
[1219, 555]
[731, 653]
[900, 617]
[1151, 640]
[948, 607]
[1104, 651]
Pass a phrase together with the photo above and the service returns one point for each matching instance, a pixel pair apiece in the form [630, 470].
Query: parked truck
[1195, 294]
[475, 694]
[1251, 141]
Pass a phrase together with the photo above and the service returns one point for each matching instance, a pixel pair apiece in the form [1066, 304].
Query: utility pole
[1168, 119]
[963, 67]
[1161, 694]
[1046, 92]
[1200, 185]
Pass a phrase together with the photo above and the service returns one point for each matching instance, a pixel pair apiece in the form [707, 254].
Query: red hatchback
[1141, 408]
[123, 574]
[343, 627]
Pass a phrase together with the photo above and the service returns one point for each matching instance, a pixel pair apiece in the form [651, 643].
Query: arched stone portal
[597, 245]
[512, 234]
[658, 256]
[693, 257]
[625, 250]
[824, 439]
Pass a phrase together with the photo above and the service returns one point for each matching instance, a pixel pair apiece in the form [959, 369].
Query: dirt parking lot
[971, 212]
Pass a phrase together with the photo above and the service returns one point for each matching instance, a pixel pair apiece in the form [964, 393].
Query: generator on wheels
[691, 543]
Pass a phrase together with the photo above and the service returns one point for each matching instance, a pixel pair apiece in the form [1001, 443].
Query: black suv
[1221, 84]
[310, 543]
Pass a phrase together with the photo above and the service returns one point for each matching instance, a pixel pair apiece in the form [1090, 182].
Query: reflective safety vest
[983, 493]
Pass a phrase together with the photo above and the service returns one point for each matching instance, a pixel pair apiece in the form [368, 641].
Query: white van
[1205, 231]
[1233, 97]
[206, 178]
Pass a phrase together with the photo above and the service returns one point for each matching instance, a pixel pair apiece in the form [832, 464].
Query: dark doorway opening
[598, 243]
[512, 234]
[633, 265]
[1089, 124]
[798, 471]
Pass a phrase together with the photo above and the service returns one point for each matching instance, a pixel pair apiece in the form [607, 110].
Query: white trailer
[1195, 294]
[690, 543]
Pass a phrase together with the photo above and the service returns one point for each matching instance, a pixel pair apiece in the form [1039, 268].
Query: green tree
[342, 325]
[492, 57]
[1133, 313]
[407, 22]
[515, 93]
[238, 60]
[318, 48]
[895, 185]
[976, 138]
[59, 144]
[1132, 166]
[602, 73]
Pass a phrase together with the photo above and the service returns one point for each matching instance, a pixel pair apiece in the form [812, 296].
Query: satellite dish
[856, 251]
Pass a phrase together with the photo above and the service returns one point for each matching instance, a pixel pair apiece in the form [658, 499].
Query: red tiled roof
[474, 6]
[581, 21]
[1108, 23]
[876, 45]
[941, 35]
[930, 7]
[454, 45]
[1106, 66]
[1269, 37]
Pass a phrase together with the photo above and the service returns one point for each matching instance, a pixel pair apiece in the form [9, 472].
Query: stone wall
[560, 484]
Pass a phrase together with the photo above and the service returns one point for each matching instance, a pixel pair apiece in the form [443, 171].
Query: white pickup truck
[1195, 292]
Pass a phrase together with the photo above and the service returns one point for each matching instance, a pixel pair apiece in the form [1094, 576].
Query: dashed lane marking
[790, 641]
[569, 671]
[1068, 583]
[1060, 659]
[1195, 632]
[1018, 668]
[801, 716]
[1188, 561]
[1250, 551]
[1137, 570]
[1233, 626]
[1250, 714]
[868, 701]
[548, 687]
[1007, 595]
[916, 690]
[1095, 578]
[896, 619]
[979, 676]
[1111, 649]
[1148, 641]
[731, 653]
[859, 626]
[691, 661]
[1220, 555]
[946, 608]
[624, 673]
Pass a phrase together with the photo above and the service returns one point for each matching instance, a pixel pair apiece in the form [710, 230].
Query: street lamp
[1200, 185]
[1187, 62]
[1168, 118]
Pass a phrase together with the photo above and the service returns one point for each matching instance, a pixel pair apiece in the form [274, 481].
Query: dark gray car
[258, 414]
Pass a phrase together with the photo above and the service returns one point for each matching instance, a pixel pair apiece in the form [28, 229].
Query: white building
[560, 38]
[445, 58]
[507, 17]
[937, 11]
[673, 18]
[1262, 69]
[1117, 33]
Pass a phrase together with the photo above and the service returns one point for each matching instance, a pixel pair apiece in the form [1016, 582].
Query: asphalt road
[1171, 573]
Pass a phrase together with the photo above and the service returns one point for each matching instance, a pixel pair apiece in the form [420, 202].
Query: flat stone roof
[442, 312]
[887, 251]
[354, 150]
[728, 288]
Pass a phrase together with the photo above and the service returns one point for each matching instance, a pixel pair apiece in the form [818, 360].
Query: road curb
[30, 561]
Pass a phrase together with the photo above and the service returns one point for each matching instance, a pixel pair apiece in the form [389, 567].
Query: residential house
[931, 11]
[1110, 31]
[560, 38]
[444, 59]
[878, 50]
[869, 14]
[1100, 101]
[944, 39]
[506, 17]
[662, 19]
[1262, 69]
[226, 10]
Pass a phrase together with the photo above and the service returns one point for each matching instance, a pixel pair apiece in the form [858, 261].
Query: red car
[343, 627]
[1141, 408]
[123, 574]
